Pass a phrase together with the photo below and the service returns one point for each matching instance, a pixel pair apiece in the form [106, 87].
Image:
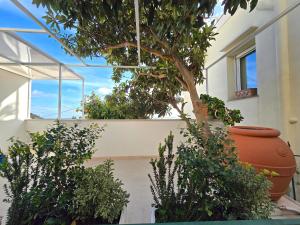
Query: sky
[45, 93]
[251, 70]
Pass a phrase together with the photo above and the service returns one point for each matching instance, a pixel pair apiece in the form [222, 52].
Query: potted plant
[45, 179]
[249, 92]
[262, 148]
[219, 113]
[99, 197]
[204, 180]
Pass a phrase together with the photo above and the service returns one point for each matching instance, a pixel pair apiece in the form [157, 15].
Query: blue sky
[251, 70]
[45, 93]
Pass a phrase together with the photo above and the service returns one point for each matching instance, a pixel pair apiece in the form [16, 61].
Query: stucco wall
[293, 35]
[13, 110]
[14, 105]
[122, 138]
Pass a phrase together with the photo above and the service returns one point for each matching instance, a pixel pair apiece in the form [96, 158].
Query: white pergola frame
[46, 30]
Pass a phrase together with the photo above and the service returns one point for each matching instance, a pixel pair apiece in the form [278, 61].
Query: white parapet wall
[122, 138]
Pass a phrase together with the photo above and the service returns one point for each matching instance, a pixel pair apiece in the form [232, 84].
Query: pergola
[23, 58]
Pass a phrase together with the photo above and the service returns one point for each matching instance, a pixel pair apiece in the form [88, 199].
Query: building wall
[293, 35]
[278, 62]
[13, 111]
[14, 105]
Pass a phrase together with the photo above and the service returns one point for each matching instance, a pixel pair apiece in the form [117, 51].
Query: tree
[174, 39]
[126, 102]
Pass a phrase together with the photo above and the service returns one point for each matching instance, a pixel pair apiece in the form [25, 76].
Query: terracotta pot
[262, 148]
[246, 93]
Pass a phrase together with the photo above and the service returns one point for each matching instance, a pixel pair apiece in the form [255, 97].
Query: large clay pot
[262, 148]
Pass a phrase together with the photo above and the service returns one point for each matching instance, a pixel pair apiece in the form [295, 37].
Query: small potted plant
[99, 197]
[249, 92]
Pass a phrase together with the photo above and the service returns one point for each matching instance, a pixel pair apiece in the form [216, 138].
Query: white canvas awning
[22, 58]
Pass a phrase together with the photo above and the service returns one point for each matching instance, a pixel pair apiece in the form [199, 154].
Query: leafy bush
[99, 198]
[204, 180]
[43, 175]
[217, 110]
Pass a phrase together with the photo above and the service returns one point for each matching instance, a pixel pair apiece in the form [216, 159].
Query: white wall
[122, 138]
[13, 111]
[293, 35]
[14, 90]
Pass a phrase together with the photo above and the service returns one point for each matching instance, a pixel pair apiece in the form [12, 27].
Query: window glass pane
[248, 71]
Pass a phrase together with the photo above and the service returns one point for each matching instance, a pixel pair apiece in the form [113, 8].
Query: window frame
[237, 60]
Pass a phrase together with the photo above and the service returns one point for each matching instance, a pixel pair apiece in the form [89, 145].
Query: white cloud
[104, 90]
[37, 93]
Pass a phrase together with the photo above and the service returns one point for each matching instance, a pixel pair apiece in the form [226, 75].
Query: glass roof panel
[32, 62]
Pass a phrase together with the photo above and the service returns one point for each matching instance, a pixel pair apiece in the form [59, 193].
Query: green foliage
[211, 184]
[96, 108]
[233, 6]
[218, 110]
[99, 196]
[174, 38]
[43, 175]
[125, 102]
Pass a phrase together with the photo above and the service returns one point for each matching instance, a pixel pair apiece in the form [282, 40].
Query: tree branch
[127, 44]
[182, 82]
[161, 42]
[183, 116]
[159, 76]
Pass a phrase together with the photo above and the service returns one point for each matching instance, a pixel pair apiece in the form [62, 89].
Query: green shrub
[99, 198]
[43, 175]
[204, 180]
[217, 110]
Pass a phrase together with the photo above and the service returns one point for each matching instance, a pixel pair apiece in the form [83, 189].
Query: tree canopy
[174, 38]
[125, 102]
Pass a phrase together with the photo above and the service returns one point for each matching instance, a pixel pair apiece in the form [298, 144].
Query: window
[246, 70]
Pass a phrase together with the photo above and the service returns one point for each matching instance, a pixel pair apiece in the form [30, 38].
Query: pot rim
[254, 131]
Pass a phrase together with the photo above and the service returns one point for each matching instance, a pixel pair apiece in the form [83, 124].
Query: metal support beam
[26, 11]
[83, 99]
[206, 80]
[109, 66]
[16, 63]
[29, 99]
[22, 30]
[59, 92]
[137, 26]
[72, 65]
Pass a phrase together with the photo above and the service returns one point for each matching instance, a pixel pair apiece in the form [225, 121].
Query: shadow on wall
[13, 106]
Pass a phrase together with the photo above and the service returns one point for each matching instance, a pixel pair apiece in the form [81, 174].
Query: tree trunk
[200, 109]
